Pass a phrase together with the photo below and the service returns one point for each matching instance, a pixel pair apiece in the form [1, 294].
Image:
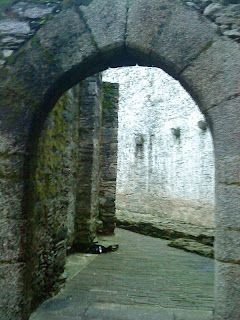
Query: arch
[86, 38]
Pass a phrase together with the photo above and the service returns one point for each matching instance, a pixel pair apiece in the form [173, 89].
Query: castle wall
[165, 156]
[63, 197]
[52, 197]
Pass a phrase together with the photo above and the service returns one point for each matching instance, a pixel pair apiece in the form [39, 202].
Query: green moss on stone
[108, 92]
[47, 210]
[207, 46]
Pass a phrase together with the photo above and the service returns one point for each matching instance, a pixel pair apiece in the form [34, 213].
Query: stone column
[12, 227]
[109, 144]
[226, 133]
[15, 119]
[88, 163]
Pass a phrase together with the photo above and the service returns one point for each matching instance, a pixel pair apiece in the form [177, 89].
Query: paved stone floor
[144, 280]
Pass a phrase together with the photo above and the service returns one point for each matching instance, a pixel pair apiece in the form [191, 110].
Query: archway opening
[80, 38]
[88, 132]
[165, 158]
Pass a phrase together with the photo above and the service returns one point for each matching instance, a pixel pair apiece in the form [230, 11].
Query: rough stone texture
[227, 301]
[175, 51]
[158, 172]
[193, 246]
[55, 39]
[228, 169]
[215, 70]
[13, 26]
[227, 245]
[228, 209]
[11, 192]
[11, 293]
[32, 10]
[164, 228]
[88, 165]
[11, 246]
[51, 208]
[32, 78]
[63, 196]
[109, 147]
[142, 14]
[224, 14]
[226, 131]
[212, 10]
[106, 20]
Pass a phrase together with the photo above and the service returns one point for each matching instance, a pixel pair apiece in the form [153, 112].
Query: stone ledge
[193, 246]
[200, 239]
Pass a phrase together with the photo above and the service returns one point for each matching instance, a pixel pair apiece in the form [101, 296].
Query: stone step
[200, 238]
[193, 246]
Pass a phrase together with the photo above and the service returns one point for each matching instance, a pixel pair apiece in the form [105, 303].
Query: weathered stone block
[88, 163]
[227, 206]
[107, 21]
[11, 166]
[141, 15]
[107, 210]
[11, 293]
[32, 10]
[13, 26]
[227, 245]
[9, 145]
[67, 40]
[12, 239]
[227, 301]
[228, 170]
[216, 70]
[170, 42]
[11, 195]
[178, 44]
[225, 125]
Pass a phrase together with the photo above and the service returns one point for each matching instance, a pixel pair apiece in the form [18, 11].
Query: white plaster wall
[168, 176]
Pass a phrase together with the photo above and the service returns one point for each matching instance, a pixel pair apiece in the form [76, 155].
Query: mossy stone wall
[54, 195]
[63, 200]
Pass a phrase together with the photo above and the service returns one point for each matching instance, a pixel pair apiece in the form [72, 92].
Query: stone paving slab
[145, 280]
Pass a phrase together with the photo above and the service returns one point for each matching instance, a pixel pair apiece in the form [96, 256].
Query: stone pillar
[13, 302]
[226, 133]
[109, 145]
[88, 164]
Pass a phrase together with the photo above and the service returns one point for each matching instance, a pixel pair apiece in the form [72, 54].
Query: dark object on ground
[98, 249]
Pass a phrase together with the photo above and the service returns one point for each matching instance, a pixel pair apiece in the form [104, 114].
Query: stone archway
[87, 37]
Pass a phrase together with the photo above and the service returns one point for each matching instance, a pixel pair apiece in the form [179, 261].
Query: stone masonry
[64, 179]
[82, 39]
[52, 198]
[20, 20]
[88, 163]
[109, 149]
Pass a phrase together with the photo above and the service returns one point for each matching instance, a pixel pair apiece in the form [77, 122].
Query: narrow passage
[144, 280]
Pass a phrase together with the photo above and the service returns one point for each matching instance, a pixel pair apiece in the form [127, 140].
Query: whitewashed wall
[160, 173]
